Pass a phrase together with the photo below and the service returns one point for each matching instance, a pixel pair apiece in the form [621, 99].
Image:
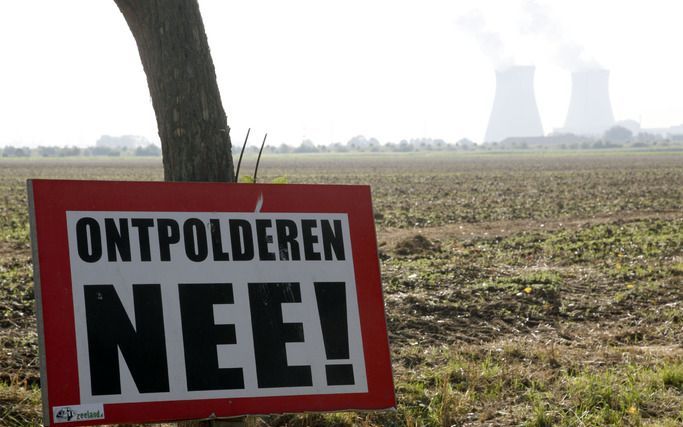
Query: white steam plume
[490, 42]
[568, 54]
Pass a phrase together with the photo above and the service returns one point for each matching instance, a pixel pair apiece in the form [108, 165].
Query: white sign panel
[196, 305]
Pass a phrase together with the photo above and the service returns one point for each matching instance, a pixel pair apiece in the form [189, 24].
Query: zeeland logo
[65, 414]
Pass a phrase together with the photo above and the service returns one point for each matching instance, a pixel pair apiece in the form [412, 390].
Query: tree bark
[193, 128]
[195, 137]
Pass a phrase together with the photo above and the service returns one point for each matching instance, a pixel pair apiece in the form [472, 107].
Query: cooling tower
[590, 110]
[514, 110]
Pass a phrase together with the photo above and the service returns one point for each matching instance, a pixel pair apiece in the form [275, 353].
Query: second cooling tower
[590, 109]
[514, 112]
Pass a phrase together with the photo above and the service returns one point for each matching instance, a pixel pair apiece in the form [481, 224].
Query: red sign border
[49, 200]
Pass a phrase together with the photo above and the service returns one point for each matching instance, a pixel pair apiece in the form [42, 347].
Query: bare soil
[548, 266]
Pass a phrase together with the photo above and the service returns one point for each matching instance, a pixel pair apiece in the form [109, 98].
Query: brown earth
[489, 272]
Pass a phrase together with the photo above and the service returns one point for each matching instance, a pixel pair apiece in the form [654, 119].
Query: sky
[328, 71]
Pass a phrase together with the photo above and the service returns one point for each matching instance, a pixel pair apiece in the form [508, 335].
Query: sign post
[171, 301]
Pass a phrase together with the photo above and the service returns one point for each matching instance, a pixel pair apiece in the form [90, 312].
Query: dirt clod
[416, 245]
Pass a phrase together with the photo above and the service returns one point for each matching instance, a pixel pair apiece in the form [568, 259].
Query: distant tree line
[614, 138]
[150, 150]
[105, 146]
[130, 146]
[617, 137]
[361, 144]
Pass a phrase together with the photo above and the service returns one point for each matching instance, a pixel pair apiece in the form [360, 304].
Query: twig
[258, 159]
[239, 162]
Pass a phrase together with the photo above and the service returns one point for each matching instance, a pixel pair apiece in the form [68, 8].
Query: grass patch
[537, 389]
[672, 376]
[19, 406]
[623, 247]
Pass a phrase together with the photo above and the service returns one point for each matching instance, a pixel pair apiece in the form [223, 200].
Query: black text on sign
[195, 305]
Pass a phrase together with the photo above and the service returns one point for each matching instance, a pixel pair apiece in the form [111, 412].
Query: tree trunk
[195, 137]
[194, 133]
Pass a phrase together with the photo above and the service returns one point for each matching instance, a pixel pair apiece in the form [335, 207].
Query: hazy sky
[327, 71]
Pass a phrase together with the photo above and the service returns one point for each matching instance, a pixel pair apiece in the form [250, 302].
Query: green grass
[19, 405]
[538, 392]
[672, 376]
[619, 245]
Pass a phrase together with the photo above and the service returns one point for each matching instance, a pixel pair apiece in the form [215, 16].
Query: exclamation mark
[331, 297]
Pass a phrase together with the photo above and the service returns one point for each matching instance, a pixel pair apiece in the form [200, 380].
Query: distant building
[590, 109]
[123, 141]
[465, 143]
[672, 133]
[514, 112]
[567, 140]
